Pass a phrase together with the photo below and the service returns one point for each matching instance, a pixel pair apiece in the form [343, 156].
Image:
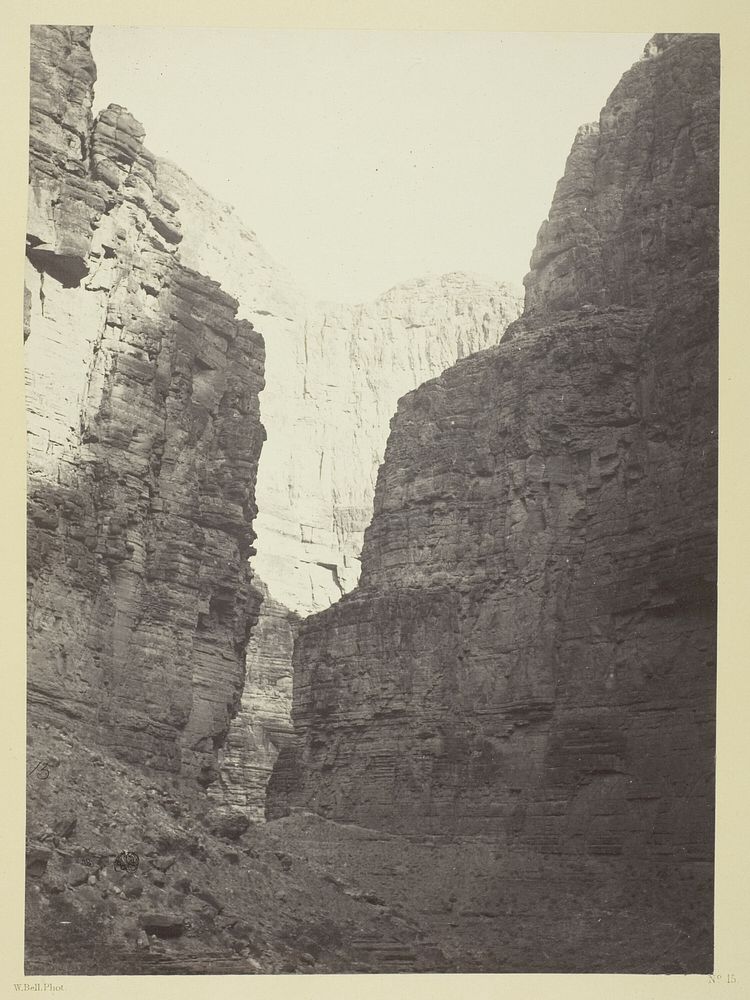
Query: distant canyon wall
[334, 374]
[531, 646]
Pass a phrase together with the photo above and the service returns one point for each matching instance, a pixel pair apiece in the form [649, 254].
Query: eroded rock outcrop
[263, 723]
[531, 648]
[144, 437]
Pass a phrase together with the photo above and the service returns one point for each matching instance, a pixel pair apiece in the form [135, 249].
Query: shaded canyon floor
[307, 895]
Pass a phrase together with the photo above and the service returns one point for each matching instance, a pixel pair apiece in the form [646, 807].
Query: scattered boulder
[37, 859]
[164, 863]
[208, 897]
[88, 897]
[65, 826]
[77, 875]
[162, 925]
[241, 930]
[284, 860]
[228, 823]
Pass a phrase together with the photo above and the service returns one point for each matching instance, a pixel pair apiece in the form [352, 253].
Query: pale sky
[362, 159]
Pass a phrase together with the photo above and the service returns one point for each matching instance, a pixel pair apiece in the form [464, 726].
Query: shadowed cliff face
[531, 648]
[144, 439]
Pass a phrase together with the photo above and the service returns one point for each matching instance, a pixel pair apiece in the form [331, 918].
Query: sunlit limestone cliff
[144, 436]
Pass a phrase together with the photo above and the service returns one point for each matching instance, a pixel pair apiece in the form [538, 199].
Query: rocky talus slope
[307, 895]
[334, 374]
[144, 437]
[531, 648]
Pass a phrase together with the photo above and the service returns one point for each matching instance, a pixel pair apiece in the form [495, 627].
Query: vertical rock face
[334, 374]
[531, 648]
[144, 438]
[635, 218]
[263, 723]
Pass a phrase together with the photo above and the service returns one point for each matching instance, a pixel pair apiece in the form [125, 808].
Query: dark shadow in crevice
[68, 269]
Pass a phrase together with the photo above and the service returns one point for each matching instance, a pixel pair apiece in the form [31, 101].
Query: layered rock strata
[334, 374]
[144, 436]
[531, 647]
[263, 723]
[113, 234]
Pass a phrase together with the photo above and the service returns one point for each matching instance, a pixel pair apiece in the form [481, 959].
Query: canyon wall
[144, 439]
[334, 374]
[144, 436]
[531, 646]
